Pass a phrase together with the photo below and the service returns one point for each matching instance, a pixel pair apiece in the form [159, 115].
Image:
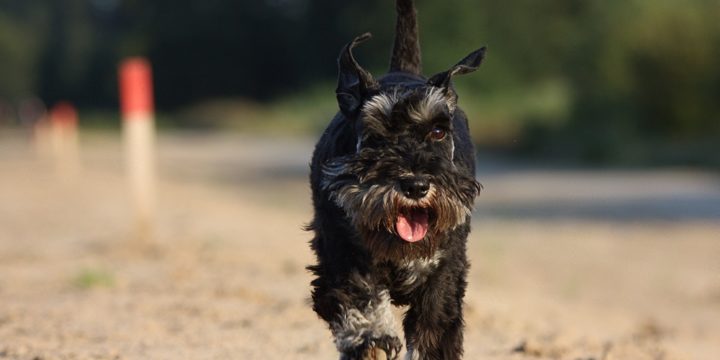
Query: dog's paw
[382, 348]
[375, 354]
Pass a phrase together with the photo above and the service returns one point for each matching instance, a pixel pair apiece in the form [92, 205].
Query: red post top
[136, 90]
[63, 114]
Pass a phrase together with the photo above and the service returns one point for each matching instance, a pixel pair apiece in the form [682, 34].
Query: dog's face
[402, 188]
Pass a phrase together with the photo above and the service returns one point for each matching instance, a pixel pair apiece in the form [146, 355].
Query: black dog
[393, 187]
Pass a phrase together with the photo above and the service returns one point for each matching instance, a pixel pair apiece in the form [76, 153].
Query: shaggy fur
[398, 149]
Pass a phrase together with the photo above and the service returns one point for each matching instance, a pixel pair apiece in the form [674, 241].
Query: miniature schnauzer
[393, 184]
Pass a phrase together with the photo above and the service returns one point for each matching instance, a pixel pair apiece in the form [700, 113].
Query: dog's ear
[354, 82]
[468, 64]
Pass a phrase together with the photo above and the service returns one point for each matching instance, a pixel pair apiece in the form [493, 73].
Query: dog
[393, 186]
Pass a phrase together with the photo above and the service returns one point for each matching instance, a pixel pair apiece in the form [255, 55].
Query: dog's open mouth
[412, 224]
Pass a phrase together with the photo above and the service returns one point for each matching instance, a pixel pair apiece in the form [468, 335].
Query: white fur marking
[355, 325]
[452, 151]
[412, 355]
[418, 270]
[427, 108]
[382, 102]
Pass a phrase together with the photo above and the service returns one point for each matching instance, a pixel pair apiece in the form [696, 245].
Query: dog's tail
[406, 50]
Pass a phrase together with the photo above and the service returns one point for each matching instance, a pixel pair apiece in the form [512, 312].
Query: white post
[136, 100]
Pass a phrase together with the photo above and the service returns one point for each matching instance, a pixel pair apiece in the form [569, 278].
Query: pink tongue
[412, 226]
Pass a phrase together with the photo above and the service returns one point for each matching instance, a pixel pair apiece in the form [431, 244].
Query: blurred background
[597, 124]
[614, 82]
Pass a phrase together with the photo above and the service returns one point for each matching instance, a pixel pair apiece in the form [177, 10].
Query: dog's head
[402, 188]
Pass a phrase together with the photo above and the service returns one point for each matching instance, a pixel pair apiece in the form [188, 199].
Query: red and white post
[138, 120]
[63, 136]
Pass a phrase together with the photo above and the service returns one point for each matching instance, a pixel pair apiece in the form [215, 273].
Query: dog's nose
[415, 188]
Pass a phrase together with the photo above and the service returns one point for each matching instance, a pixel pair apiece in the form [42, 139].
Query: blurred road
[512, 190]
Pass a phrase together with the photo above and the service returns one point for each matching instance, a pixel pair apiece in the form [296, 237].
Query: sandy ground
[567, 264]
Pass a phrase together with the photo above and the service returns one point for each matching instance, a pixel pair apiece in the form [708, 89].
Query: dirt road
[567, 264]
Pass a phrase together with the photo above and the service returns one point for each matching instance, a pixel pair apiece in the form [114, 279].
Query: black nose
[415, 188]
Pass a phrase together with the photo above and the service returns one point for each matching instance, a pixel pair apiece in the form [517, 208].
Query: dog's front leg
[434, 324]
[360, 319]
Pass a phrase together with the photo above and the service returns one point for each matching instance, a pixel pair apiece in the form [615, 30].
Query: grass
[497, 116]
[501, 115]
[93, 278]
[304, 114]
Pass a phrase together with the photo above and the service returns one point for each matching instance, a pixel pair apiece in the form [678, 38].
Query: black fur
[400, 129]
[406, 50]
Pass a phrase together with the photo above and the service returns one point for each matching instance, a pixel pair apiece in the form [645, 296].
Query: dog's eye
[437, 133]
